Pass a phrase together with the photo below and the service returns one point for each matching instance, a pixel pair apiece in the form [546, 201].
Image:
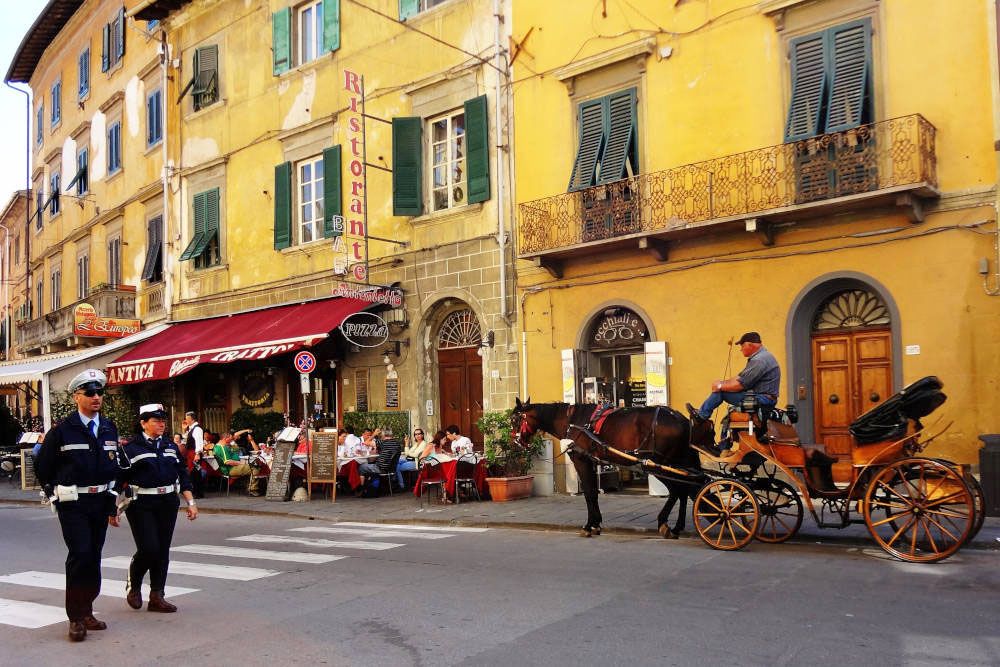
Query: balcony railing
[151, 301]
[896, 155]
[54, 331]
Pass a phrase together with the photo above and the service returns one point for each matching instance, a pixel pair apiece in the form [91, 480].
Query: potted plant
[508, 459]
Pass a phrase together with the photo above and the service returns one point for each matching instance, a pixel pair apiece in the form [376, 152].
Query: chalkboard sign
[323, 459]
[28, 478]
[281, 470]
[392, 393]
[637, 393]
[361, 389]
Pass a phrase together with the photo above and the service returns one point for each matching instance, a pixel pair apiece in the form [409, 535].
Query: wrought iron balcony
[53, 332]
[892, 163]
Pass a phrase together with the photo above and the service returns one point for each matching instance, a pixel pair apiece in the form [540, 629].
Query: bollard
[989, 472]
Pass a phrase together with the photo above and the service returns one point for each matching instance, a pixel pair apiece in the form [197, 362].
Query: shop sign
[87, 323]
[382, 295]
[365, 330]
[656, 373]
[350, 247]
[622, 328]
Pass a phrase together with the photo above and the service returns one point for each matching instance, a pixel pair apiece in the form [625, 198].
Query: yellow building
[290, 180]
[822, 172]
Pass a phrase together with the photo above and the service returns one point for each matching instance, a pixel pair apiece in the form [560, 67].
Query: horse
[660, 433]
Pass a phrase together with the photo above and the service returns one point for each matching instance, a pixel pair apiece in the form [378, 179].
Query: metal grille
[851, 309]
[460, 329]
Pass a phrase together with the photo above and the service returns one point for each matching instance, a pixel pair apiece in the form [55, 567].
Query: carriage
[916, 508]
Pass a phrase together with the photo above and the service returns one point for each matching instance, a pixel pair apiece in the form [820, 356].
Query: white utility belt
[71, 492]
[156, 490]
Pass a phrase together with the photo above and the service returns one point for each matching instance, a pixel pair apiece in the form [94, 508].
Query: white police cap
[152, 410]
[89, 376]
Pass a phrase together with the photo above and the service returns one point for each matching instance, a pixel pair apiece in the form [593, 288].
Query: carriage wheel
[781, 511]
[979, 501]
[726, 515]
[919, 510]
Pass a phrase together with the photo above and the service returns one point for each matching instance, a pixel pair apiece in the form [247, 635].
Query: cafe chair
[431, 476]
[465, 476]
[386, 479]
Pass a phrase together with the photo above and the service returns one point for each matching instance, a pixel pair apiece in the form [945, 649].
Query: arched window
[460, 329]
[851, 309]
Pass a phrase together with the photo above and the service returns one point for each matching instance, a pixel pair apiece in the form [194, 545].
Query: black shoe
[695, 415]
[134, 598]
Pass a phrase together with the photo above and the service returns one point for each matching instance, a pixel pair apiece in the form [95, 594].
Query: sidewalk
[623, 513]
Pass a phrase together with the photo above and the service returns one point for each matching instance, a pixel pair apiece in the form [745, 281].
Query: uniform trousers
[152, 519]
[84, 524]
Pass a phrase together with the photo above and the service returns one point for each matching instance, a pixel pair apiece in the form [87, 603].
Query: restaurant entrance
[460, 373]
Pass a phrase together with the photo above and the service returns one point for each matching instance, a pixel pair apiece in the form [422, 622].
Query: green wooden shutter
[198, 238]
[206, 76]
[332, 203]
[477, 156]
[331, 25]
[212, 212]
[281, 42]
[809, 85]
[407, 169]
[591, 140]
[850, 51]
[408, 8]
[618, 149]
[105, 47]
[283, 205]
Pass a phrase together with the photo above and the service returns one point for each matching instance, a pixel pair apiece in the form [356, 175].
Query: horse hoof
[584, 532]
[665, 533]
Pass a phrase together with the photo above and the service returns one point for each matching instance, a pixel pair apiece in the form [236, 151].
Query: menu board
[323, 459]
[392, 392]
[281, 470]
[28, 478]
[637, 393]
[361, 389]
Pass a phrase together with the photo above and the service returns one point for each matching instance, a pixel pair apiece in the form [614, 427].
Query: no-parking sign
[305, 362]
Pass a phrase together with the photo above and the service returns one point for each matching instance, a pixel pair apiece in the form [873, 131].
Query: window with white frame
[56, 288]
[115, 261]
[309, 220]
[309, 31]
[447, 159]
[82, 275]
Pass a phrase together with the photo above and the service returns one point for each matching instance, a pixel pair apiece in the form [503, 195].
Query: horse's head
[524, 420]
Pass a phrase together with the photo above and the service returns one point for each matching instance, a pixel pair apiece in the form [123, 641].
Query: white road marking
[232, 572]
[262, 554]
[57, 581]
[29, 614]
[403, 526]
[365, 532]
[315, 542]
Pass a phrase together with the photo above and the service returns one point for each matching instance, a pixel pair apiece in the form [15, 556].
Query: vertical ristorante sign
[350, 247]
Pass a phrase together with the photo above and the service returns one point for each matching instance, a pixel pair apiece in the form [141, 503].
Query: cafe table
[449, 468]
[348, 468]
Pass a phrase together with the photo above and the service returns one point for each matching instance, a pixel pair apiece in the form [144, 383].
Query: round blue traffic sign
[305, 362]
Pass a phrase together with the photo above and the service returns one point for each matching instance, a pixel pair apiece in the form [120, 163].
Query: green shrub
[263, 424]
[505, 455]
[398, 423]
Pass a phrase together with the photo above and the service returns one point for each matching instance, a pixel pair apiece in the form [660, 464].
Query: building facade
[821, 172]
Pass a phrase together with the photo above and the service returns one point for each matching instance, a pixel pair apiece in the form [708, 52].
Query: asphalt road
[358, 595]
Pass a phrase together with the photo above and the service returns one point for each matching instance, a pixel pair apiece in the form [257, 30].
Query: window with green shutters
[408, 8]
[407, 160]
[204, 247]
[307, 199]
[831, 81]
[205, 89]
[477, 134]
[607, 144]
[304, 33]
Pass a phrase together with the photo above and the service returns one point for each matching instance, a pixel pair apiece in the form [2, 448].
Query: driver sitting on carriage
[762, 376]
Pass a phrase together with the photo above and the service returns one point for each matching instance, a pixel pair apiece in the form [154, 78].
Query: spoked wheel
[780, 510]
[919, 510]
[726, 515]
[979, 500]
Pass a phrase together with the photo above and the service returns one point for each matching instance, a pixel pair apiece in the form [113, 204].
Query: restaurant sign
[169, 367]
[350, 241]
[383, 295]
[87, 323]
[365, 330]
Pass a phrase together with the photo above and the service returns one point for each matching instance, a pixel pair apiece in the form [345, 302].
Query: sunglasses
[418, 433]
[90, 393]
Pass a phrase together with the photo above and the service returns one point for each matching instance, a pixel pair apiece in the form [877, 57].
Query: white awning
[34, 368]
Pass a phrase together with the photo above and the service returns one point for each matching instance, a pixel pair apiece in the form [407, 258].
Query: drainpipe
[168, 281]
[5, 270]
[27, 188]
[501, 206]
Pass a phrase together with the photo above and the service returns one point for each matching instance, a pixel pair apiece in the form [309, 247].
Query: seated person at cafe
[459, 443]
[302, 445]
[387, 451]
[369, 441]
[441, 447]
[414, 451]
[227, 454]
[244, 438]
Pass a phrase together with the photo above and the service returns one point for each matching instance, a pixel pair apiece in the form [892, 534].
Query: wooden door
[852, 373]
[460, 372]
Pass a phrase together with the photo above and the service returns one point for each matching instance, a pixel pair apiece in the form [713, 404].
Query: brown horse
[659, 434]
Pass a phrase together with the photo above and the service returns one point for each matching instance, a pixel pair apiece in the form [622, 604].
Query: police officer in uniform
[156, 471]
[77, 466]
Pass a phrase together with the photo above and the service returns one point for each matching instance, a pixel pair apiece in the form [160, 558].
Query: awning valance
[252, 336]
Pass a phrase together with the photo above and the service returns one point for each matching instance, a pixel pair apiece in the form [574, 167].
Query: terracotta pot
[503, 489]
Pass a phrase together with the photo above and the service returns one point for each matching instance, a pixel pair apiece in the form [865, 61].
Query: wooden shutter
[206, 76]
[120, 36]
[154, 233]
[591, 140]
[407, 171]
[621, 137]
[408, 8]
[283, 205]
[105, 47]
[477, 155]
[850, 61]
[809, 84]
[198, 239]
[281, 42]
[332, 203]
[331, 25]
[83, 85]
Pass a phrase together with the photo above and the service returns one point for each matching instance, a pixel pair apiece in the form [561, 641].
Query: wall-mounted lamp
[393, 349]
[396, 318]
[333, 363]
[486, 343]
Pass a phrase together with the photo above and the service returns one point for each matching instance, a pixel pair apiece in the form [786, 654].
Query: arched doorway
[852, 367]
[460, 372]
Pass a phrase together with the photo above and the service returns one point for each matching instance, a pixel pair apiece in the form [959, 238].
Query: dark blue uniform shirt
[70, 454]
[153, 464]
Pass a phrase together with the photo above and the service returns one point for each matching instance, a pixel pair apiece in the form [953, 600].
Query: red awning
[219, 340]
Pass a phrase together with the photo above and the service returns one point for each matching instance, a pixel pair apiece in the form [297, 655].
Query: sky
[17, 18]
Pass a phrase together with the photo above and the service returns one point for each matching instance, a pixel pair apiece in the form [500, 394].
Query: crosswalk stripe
[366, 532]
[262, 554]
[57, 581]
[315, 542]
[232, 572]
[29, 614]
[403, 526]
